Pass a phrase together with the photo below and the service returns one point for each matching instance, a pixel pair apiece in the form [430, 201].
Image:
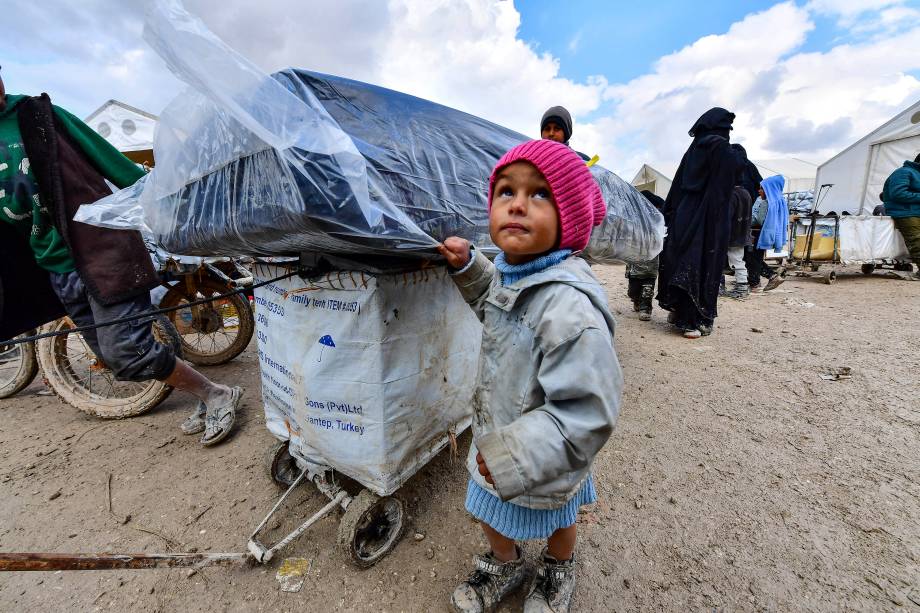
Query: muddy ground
[738, 479]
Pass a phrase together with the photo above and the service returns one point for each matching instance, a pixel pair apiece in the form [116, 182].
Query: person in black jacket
[740, 237]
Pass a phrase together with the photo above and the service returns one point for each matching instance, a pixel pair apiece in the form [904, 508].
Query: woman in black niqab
[698, 218]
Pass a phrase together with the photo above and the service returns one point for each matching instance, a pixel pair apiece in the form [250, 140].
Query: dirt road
[737, 479]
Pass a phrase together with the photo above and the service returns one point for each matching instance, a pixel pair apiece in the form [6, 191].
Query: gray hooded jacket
[549, 385]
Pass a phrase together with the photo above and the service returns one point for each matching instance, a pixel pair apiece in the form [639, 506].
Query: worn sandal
[194, 423]
[219, 421]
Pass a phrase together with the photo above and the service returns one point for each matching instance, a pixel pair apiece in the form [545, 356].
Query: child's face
[760, 193]
[553, 131]
[523, 221]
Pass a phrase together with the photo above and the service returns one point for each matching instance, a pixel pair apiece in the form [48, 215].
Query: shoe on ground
[552, 587]
[194, 423]
[705, 330]
[645, 315]
[692, 333]
[774, 282]
[488, 584]
[219, 420]
[739, 291]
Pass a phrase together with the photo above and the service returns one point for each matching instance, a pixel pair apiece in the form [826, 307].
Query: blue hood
[776, 223]
[773, 188]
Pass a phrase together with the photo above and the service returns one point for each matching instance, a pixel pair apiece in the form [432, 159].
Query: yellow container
[822, 246]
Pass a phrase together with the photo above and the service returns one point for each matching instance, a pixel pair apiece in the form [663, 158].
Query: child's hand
[483, 469]
[456, 251]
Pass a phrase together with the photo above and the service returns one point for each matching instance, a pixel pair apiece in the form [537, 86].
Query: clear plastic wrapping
[295, 162]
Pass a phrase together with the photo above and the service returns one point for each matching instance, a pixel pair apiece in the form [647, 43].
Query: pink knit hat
[578, 198]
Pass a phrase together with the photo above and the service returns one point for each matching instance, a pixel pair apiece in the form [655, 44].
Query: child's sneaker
[553, 586]
[488, 584]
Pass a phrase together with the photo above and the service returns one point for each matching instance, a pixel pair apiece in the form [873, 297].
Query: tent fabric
[858, 172]
[125, 127]
[650, 179]
[798, 174]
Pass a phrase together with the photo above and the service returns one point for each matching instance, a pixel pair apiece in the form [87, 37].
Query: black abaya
[698, 219]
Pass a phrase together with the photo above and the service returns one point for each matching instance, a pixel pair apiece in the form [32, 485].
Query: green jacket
[19, 201]
[901, 193]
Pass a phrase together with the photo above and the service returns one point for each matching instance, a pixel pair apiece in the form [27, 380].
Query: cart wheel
[282, 467]
[371, 527]
[829, 277]
[18, 366]
[867, 269]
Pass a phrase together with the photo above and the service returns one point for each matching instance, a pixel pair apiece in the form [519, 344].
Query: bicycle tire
[26, 369]
[195, 353]
[64, 381]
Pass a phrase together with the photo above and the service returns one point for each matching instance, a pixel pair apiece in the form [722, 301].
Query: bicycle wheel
[212, 333]
[82, 380]
[18, 367]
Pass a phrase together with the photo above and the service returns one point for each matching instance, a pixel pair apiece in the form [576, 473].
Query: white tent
[652, 180]
[799, 174]
[128, 129]
[858, 172]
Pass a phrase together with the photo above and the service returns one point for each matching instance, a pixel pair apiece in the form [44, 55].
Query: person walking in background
[775, 226]
[740, 237]
[642, 275]
[749, 177]
[754, 257]
[901, 196]
[697, 217]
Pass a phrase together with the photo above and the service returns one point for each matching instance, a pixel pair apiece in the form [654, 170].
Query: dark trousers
[128, 349]
[756, 266]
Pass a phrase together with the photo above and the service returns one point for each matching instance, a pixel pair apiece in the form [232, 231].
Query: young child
[549, 383]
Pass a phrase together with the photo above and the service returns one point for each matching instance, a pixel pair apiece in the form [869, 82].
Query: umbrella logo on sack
[324, 342]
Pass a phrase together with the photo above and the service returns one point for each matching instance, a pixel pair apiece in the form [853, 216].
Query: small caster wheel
[867, 269]
[371, 527]
[282, 467]
[829, 277]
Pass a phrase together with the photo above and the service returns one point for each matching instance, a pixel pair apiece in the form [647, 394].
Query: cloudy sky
[805, 78]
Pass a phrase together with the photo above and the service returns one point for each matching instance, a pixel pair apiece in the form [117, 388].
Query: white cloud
[467, 54]
[877, 17]
[787, 102]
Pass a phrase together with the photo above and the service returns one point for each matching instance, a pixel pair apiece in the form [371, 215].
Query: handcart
[821, 244]
[365, 378]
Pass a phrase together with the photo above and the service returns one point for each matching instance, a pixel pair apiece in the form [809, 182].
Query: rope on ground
[29, 339]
